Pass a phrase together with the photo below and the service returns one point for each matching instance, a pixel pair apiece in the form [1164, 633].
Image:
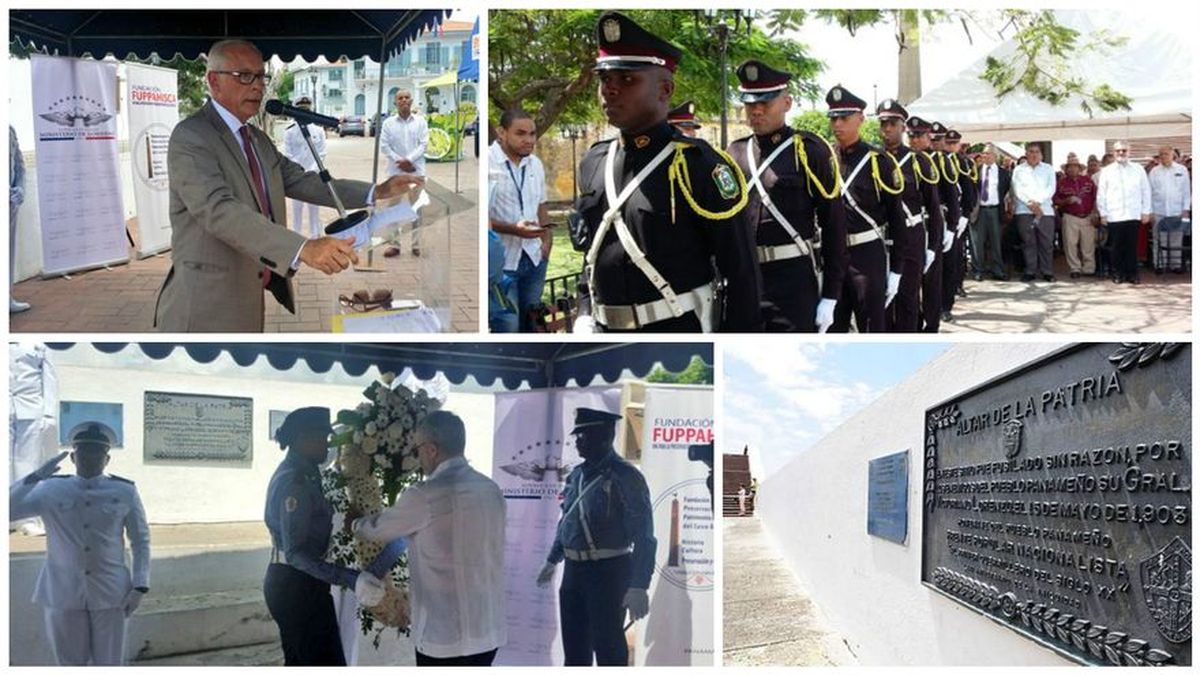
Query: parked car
[352, 125]
[374, 125]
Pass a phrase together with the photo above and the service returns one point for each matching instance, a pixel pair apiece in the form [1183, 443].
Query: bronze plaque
[198, 429]
[1057, 502]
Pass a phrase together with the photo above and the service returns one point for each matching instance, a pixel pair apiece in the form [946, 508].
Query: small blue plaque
[887, 497]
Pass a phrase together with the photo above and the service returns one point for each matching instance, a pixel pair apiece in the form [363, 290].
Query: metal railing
[560, 300]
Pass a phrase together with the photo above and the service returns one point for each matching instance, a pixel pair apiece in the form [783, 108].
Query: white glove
[962, 225]
[893, 287]
[825, 314]
[584, 324]
[930, 256]
[46, 470]
[947, 240]
[637, 602]
[132, 599]
[369, 589]
[546, 575]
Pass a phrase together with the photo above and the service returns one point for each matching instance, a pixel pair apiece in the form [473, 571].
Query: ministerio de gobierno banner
[532, 454]
[78, 169]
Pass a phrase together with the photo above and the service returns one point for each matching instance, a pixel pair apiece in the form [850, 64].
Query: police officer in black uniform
[964, 168]
[300, 520]
[793, 185]
[875, 229]
[919, 204]
[606, 536]
[683, 118]
[650, 266]
[935, 224]
[951, 200]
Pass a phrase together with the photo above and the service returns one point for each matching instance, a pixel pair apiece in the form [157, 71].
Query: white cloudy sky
[780, 397]
[866, 62]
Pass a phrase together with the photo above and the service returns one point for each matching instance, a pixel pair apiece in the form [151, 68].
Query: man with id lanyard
[517, 212]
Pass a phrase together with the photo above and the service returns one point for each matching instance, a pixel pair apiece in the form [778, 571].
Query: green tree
[1044, 63]
[818, 123]
[697, 372]
[541, 60]
[286, 85]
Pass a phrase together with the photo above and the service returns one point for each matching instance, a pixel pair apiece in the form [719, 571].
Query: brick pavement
[121, 299]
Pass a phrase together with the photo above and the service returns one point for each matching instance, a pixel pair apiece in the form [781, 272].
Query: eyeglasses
[245, 77]
[1120, 151]
[364, 300]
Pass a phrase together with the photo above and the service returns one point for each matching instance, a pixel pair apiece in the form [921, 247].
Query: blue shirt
[301, 520]
[618, 513]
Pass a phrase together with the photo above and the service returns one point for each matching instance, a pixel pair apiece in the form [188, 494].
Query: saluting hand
[329, 254]
[50, 467]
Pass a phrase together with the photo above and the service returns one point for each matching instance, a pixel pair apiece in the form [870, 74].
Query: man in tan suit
[229, 231]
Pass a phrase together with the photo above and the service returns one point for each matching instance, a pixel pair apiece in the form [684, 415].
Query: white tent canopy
[1153, 67]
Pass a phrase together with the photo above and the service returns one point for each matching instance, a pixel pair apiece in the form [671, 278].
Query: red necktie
[259, 191]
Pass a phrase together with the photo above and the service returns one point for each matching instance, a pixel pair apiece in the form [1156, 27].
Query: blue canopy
[469, 68]
[288, 34]
[540, 364]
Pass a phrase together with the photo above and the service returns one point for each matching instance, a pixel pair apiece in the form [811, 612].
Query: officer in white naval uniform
[296, 149]
[85, 588]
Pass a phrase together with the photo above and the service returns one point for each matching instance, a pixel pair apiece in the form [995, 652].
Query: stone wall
[815, 510]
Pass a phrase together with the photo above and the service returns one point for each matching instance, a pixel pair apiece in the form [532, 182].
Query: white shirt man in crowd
[403, 139]
[86, 591]
[1033, 183]
[454, 521]
[297, 150]
[517, 212]
[1123, 200]
[1171, 202]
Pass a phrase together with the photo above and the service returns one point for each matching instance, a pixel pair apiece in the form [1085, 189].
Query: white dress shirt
[295, 149]
[992, 196]
[86, 522]
[235, 127]
[1170, 190]
[1034, 184]
[1123, 192]
[514, 194]
[454, 521]
[403, 138]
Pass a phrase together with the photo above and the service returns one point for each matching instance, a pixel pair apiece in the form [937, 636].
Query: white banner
[78, 170]
[678, 631]
[153, 105]
[531, 457]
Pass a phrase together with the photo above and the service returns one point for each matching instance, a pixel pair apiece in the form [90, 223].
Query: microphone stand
[345, 221]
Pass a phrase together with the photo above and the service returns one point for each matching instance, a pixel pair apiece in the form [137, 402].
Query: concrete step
[266, 654]
[185, 624]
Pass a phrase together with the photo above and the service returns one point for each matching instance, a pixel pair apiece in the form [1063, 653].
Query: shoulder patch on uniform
[118, 478]
[290, 504]
[727, 184]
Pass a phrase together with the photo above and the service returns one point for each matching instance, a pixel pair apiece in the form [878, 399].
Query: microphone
[277, 107]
